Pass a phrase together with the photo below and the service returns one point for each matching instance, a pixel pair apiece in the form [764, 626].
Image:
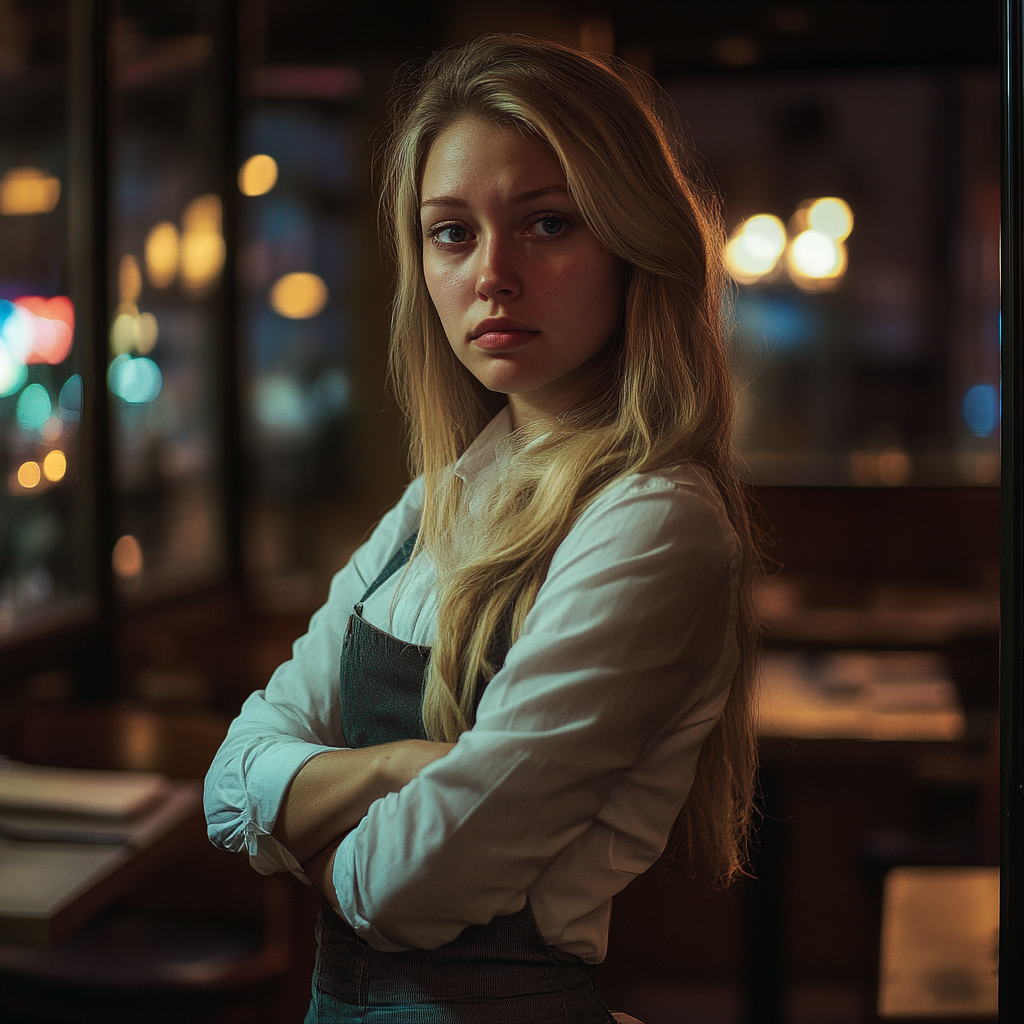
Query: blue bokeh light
[776, 322]
[981, 409]
[34, 407]
[70, 398]
[135, 380]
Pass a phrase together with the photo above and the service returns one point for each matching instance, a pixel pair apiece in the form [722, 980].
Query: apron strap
[398, 559]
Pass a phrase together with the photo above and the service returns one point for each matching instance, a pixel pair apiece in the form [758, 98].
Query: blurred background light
[755, 248]
[133, 332]
[258, 175]
[50, 326]
[202, 244]
[135, 380]
[25, 190]
[298, 296]
[29, 475]
[831, 217]
[70, 398]
[52, 429]
[894, 466]
[890, 466]
[15, 331]
[55, 465]
[126, 557]
[129, 279]
[33, 408]
[161, 254]
[149, 332]
[124, 333]
[279, 404]
[815, 260]
[776, 322]
[981, 409]
[13, 372]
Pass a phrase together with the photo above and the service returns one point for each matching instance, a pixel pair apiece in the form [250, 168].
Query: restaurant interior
[196, 434]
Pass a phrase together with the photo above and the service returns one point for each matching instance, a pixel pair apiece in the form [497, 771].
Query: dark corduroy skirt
[501, 973]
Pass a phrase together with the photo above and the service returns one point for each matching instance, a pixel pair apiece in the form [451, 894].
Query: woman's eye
[450, 234]
[550, 225]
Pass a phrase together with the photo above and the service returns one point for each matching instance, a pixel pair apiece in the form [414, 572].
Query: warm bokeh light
[985, 468]
[126, 557]
[890, 466]
[38, 329]
[894, 466]
[202, 214]
[129, 279]
[258, 175]
[133, 332]
[755, 248]
[25, 190]
[149, 332]
[161, 253]
[815, 261]
[55, 465]
[831, 217]
[202, 245]
[29, 475]
[298, 296]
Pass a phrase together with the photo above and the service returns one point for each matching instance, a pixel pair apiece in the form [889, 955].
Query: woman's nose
[497, 272]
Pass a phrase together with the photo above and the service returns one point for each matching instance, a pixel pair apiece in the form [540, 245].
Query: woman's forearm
[332, 792]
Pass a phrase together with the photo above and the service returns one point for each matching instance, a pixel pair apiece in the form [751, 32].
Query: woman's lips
[504, 340]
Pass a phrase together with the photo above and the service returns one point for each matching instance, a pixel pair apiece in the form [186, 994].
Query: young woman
[548, 645]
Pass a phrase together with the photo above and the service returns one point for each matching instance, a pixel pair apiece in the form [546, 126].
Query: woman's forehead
[473, 155]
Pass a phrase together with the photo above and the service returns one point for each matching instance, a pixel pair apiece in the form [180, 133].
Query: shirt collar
[483, 452]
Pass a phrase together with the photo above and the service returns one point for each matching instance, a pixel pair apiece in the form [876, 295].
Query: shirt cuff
[350, 902]
[267, 779]
[267, 855]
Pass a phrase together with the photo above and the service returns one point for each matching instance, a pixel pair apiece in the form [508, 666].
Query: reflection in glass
[297, 181]
[43, 534]
[167, 252]
[863, 211]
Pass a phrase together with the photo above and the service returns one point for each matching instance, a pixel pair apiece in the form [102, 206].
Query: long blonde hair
[663, 397]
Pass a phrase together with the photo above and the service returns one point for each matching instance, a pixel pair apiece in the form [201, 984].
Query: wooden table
[48, 889]
[940, 943]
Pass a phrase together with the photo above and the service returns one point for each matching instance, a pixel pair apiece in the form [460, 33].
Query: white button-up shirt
[585, 741]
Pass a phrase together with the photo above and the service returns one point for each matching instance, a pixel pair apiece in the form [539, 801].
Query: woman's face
[526, 294]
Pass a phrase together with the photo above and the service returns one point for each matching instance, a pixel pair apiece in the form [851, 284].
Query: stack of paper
[878, 695]
[74, 804]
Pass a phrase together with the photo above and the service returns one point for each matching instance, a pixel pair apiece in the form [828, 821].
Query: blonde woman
[544, 654]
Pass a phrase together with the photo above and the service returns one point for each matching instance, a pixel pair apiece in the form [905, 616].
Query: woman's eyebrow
[521, 197]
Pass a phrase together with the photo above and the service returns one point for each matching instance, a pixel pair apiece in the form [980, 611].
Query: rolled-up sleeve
[298, 715]
[629, 640]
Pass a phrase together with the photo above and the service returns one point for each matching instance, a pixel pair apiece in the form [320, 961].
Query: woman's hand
[332, 792]
[399, 764]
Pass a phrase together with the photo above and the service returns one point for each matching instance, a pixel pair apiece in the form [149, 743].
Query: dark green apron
[499, 972]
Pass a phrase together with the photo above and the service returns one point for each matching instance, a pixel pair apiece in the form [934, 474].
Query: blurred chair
[203, 940]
